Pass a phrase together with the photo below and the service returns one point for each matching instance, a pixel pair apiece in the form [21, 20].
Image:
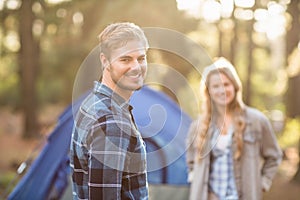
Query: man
[108, 156]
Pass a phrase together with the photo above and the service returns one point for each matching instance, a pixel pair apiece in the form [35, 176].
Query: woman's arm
[271, 153]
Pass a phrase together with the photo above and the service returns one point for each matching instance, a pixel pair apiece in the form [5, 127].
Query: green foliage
[265, 91]
[5, 180]
[9, 78]
[291, 134]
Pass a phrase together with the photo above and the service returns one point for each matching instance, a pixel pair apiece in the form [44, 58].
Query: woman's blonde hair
[236, 107]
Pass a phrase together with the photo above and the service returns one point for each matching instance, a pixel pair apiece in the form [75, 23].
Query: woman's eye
[215, 86]
[226, 84]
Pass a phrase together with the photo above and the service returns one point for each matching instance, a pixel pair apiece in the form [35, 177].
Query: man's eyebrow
[126, 56]
[142, 56]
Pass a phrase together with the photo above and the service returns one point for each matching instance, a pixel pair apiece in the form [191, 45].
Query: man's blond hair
[117, 35]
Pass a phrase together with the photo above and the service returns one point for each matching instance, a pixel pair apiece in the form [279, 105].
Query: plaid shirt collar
[103, 89]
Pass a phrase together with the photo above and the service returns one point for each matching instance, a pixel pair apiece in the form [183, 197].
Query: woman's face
[221, 89]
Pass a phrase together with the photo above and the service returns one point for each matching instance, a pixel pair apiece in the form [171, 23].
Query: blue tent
[162, 124]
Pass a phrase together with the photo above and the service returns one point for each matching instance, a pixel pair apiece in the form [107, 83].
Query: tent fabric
[163, 126]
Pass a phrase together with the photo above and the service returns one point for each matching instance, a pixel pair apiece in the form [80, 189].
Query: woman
[232, 150]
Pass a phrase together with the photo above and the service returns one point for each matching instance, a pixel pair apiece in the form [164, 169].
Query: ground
[14, 150]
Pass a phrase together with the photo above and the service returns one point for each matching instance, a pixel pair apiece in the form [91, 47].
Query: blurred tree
[293, 32]
[21, 33]
[248, 85]
[293, 42]
[29, 63]
[293, 96]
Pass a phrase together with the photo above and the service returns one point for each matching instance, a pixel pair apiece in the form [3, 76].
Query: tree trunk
[220, 48]
[233, 43]
[248, 86]
[296, 177]
[293, 37]
[28, 63]
[293, 34]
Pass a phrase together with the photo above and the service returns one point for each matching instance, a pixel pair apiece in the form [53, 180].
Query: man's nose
[136, 64]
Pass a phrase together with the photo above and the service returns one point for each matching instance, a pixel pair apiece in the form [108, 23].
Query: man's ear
[104, 61]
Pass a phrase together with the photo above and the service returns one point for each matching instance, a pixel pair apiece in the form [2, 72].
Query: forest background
[43, 44]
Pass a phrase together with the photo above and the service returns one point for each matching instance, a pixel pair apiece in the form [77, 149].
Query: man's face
[128, 66]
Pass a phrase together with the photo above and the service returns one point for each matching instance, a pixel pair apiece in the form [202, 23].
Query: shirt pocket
[251, 144]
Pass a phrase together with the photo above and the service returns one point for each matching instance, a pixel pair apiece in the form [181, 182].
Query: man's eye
[142, 59]
[125, 60]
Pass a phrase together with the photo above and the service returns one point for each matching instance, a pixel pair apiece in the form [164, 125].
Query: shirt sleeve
[271, 153]
[108, 147]
[190, 144]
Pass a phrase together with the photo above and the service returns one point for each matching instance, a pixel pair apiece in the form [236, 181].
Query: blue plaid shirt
[107, 153]
[221, 179]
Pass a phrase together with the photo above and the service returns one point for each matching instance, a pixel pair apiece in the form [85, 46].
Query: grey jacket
[254, 171]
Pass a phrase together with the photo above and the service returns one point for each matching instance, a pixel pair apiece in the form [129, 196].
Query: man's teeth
[134, 75]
